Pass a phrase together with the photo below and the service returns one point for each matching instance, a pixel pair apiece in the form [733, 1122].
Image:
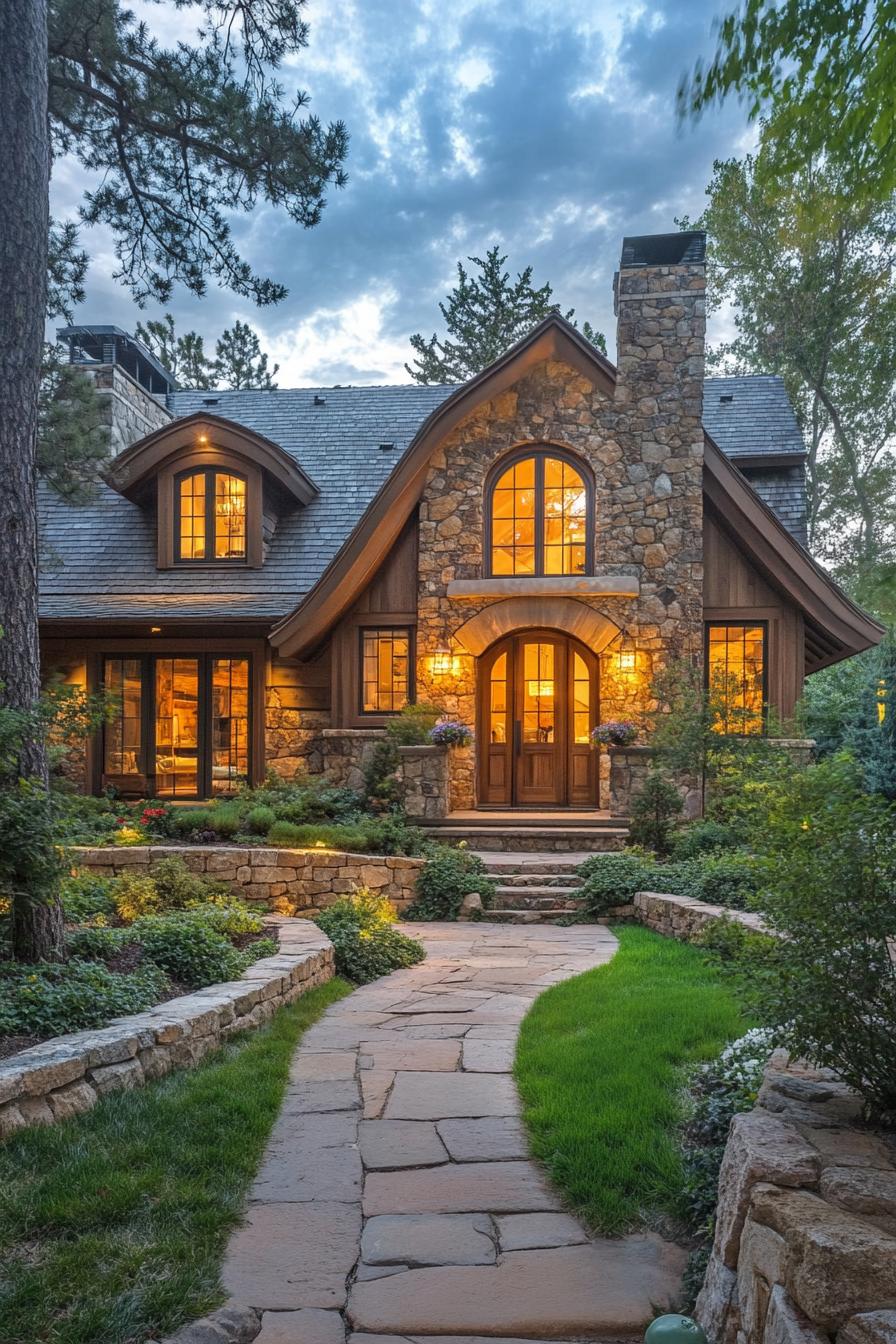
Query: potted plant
[615, 733]
[450, 733]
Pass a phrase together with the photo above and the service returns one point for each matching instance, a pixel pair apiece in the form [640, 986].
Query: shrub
[189, 950]
[84, 896]
[179, 888]
[47, 998]
[412, 726]
[702, 837]
[187, 823]
[372, 835]
[366, 942]
[226, 819]
[96, 943]
[135, 895]
[830, 979]
[445, 879]
[259, 820]
[733, 879]
[654, 811]
[740, 948]
[230, 920]
[383, 787]
[609, 880]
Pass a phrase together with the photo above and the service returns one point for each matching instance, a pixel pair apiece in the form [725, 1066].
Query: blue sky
[546, 127]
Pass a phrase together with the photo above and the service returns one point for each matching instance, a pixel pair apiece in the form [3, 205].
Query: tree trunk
[24, 191]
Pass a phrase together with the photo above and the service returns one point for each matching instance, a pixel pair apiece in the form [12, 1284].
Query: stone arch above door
[547, 613]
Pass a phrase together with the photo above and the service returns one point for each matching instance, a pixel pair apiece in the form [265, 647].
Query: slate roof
[751, 415]
[99, 559]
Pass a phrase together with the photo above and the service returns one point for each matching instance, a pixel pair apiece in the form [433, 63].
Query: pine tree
[183, 356]
[72, 440]
[484, 316]
[239, 361]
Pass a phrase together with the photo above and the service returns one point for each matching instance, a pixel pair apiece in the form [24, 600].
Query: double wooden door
[537, 707]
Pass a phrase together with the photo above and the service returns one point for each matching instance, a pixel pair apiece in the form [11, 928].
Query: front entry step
[528, 839]
[534, 890]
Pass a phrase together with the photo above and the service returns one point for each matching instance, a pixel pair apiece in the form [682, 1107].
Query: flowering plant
[616, 733]
[450, 733]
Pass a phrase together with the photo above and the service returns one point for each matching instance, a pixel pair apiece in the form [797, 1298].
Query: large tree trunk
[24, 191]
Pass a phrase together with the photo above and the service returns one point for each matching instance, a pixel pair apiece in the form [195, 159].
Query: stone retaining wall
[290, 881]
[805, 1240]
[67, 1075]
[680, 917]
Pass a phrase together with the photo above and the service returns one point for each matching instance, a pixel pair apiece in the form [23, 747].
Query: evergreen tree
[484, 316]
[239, 362]
[183, 356]
[72, 441]
[178, 139]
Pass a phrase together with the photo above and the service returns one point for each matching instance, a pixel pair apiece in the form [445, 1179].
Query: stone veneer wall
[680, 917]
[129, 411]
[805, 1241]
[289, 881]
[67, 1075]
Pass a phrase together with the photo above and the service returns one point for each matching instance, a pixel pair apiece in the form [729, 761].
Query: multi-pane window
[539, 518]
[385, 670]
[210, 516]
[735, 671]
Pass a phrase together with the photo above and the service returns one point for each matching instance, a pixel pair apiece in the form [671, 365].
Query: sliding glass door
[179, 727]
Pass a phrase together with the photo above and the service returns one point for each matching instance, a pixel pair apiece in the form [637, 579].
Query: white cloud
[352, 340]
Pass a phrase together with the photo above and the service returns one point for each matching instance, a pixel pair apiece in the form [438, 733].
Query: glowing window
[539, 518]
[735, 670]
[385, 670]
[211, 516]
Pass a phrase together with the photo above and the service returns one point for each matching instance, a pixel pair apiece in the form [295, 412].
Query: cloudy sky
[546, 127]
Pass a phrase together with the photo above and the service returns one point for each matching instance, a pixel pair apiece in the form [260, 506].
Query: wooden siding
[735, 592]
[389, 599]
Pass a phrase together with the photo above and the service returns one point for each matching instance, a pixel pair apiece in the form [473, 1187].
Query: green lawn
[599, 1067]
[113, 1225]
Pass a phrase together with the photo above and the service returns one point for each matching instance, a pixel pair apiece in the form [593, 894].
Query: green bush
[47, 998]
[84, 896]
[260, 819]
[185, 823]
[371, 835]
[365, 940]
[96, 943]
[742, 949]
[189, 950]
[702, 837]
[135, 894]
[609, 880]
[654, 812]
[179, 888]
[733, 879]
[445, 879]
[411, 727]
[230, 920]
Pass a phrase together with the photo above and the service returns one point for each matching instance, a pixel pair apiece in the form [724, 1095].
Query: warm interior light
[541, 689]
[155, 629]
[626, 661]
[443, 663]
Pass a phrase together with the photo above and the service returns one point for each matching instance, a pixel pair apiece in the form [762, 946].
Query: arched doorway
[538, 702]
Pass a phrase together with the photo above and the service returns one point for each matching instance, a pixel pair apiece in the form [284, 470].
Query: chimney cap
[110, 345]
[664, 249]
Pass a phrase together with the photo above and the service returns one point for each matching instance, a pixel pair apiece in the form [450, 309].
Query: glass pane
[230, 723]
[538, 693]
[513, 520]
[230, 517]
[564, 513]
[177, 727]
[385, 670]
[581, 697]
[192, 516]
[735, 674]
[497, 731]
[122, 738]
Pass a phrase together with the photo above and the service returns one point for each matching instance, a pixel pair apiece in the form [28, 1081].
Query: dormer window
[210, 517]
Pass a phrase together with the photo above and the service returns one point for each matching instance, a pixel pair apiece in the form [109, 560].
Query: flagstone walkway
[397, 1197]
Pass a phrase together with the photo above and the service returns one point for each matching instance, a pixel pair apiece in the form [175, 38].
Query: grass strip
[113, 1225]
[599, 1067]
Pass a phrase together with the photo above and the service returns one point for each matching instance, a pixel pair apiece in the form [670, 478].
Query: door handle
[517, 737]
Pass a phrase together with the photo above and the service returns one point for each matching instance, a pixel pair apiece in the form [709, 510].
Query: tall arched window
[210, 516]
[540, 516]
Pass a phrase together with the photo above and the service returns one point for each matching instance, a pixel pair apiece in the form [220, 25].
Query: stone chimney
[133, 385]
[659, 300]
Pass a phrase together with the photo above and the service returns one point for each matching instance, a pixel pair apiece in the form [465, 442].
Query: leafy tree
[823, 69]
[809, 270]
[484, 316]
[178, 138]
[655, 811]
[872, 736]
[239, 362]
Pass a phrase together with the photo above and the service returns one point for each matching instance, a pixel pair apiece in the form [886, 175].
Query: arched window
[540, 516]
[210, 516]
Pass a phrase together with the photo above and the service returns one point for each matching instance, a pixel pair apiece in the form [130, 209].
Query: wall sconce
[443, 662]
[155, 629]
[625, 661]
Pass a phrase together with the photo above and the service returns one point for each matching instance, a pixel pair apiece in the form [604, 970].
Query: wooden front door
[537, 706]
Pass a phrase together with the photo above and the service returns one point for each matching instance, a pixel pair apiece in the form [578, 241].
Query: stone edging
[681, 917]
[68, 1074]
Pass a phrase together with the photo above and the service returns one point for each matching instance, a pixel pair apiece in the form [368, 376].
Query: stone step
[524, 879]
[504, 865]
[576, 839]
[520, 896]
[498, 916]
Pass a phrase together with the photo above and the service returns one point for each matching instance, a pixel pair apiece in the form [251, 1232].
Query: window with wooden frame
[210, 512]
[386, 669]
[737, 675]
[539, 516]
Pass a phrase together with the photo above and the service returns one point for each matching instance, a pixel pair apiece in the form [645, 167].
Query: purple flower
[450, 733]
[616, 733]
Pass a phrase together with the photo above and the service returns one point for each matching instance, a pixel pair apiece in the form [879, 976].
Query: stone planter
[628, 774]
[426, 777]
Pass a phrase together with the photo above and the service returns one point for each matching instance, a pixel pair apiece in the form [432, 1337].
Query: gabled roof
[751, 417]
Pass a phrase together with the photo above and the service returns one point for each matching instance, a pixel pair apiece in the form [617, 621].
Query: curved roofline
[129, 472]
[363, 552]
